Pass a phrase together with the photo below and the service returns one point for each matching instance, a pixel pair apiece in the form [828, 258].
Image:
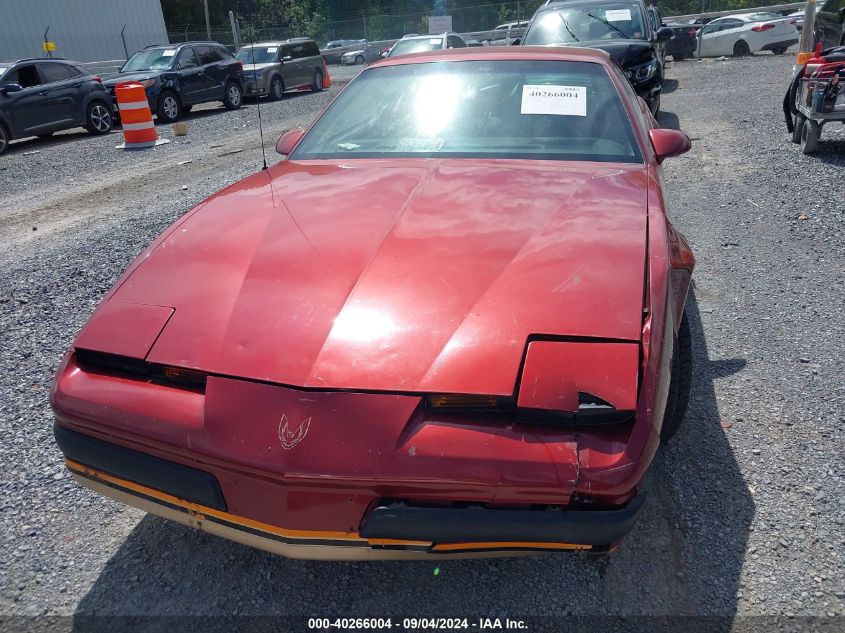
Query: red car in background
[449, 323]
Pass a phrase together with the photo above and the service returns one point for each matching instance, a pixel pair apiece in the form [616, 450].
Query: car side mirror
[516, 41]
[664, 34]
[288, 141]
[4, 88]
[668, 143]
[287, 58]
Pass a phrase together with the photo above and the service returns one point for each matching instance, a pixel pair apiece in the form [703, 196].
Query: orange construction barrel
[135, 115]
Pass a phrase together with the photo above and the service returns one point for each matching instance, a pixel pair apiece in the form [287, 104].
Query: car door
[28, 110]
[191, 76]
[728, 35]
[214, 77]
[63, 94]
[302, 70]
[288, 65]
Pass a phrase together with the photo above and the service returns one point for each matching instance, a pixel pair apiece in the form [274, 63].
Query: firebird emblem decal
[288, 438]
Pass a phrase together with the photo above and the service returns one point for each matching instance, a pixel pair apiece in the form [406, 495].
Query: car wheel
[169, 108]
[780, 50]
[809, 136]
[741, 49]
[277, 88]
[98, 118]
[359, 59]
[317, 86]
[4, 138]
[679, 384]
[797, 128]
[233, 97]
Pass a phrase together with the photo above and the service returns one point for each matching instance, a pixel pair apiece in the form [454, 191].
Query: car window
[731, 24]
[223, 52]
[416, 45]
[298, 51]
[311, 49]
[187, 59]
[206, 55]
[623, 20]
[455, 42]
[258, 54]
[287, 52]
[27, 76]
[150, 59]
[833, 6]
[52, 72]
[545, 110]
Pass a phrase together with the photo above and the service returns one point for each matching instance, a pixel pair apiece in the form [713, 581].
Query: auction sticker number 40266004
[414, 624]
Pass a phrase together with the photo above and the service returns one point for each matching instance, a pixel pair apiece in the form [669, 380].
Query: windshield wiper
[566, 24]
[615, 28]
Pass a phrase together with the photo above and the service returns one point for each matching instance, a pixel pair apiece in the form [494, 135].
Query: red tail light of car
[762, 27]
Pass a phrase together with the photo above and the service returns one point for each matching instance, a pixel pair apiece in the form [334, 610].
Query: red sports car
[449, 323]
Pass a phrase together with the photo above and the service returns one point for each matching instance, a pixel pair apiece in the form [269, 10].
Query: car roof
[425, 37]
[539, 53]
[38, 59]
[569, 3]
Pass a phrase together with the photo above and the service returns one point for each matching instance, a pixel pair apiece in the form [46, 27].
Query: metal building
[82, 30]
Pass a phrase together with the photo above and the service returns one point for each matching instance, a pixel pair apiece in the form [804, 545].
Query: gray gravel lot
[745, 516]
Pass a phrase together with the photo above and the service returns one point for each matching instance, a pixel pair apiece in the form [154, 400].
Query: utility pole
[364, 18]
[207, 21]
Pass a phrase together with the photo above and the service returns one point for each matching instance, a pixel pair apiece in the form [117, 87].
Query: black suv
[625, 29]
[830, 24]
[179, 76]
[41, 96]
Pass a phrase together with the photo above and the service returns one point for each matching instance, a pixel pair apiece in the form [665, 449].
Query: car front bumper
[254, 87]
[193, 497]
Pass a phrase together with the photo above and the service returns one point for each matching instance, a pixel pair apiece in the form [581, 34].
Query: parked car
[271, 68]
[334, 50]
[622, 28]
[830, 24]
[506, 33]
[744, 34]
[364, 55]
[421, 43]
[684, 43]
[42, 96]
[180, 76]
[366, 353]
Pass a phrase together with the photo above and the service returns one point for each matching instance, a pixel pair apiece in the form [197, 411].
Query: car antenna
[258, 102]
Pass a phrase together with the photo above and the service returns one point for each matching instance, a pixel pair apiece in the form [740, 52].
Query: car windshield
[3, 70]
[417, 45]
[258, 54]
[586, 23]
[150, 59]
[558, 110]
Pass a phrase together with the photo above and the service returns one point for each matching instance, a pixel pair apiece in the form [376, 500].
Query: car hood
[626, 53]
[403, 275]
[248, 68]
[115, 78]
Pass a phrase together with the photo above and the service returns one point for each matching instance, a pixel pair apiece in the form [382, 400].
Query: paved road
[745, 516]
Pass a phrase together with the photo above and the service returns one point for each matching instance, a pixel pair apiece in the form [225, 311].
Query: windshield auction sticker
[560, 100]
[618, 15]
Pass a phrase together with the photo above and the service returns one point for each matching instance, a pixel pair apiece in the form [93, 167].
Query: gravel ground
[745, 516]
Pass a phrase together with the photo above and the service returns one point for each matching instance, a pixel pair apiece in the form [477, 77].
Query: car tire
[233, 96]
[359, 59]
[779, 50]
[679, 384]
[809, 136]
[797, 127]
[741, 49]
[277, 88]
[5, 137]
[98, 118]
[169, 108]
[317, 84]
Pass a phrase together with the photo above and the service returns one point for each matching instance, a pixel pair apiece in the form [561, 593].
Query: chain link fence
[379, 27]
